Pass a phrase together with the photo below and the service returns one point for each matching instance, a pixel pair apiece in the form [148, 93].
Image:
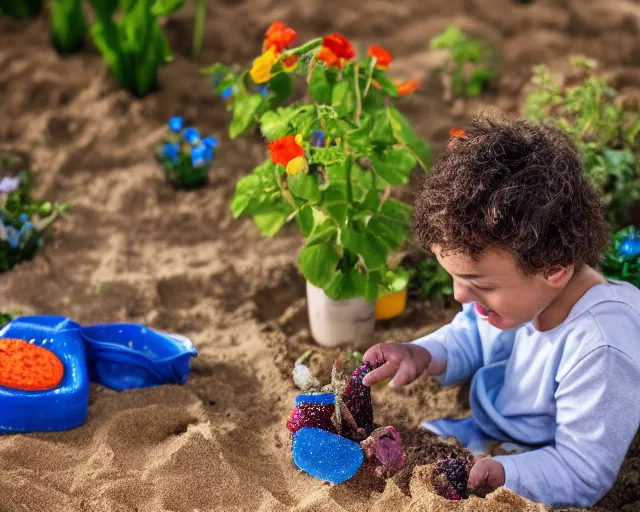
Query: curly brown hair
[517, 186]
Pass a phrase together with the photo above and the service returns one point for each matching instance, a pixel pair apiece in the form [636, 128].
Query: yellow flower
[298, 139]
[261, 68]
[296, 165]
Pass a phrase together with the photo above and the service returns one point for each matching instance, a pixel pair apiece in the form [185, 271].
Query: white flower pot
[337, 323]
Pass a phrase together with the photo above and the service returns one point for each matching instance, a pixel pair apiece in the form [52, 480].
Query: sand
[133, 249]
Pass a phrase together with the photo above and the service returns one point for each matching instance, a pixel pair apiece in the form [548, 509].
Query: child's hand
[487, 474]
[405, 361]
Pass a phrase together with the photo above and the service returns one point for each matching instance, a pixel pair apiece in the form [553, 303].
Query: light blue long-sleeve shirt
[574, 391]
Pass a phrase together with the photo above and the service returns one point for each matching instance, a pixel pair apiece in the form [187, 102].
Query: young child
[553, 346]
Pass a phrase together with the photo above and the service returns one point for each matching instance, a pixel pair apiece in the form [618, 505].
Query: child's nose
[462, 293]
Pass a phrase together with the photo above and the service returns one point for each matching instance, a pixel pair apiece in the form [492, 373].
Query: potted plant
[392, 296]
[334, 159]
[185, 157]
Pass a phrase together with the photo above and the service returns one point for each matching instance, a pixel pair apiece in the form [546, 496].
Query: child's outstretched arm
[598, 414]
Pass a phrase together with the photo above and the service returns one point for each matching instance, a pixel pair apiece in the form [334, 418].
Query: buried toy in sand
[47, 362]
[333, 434]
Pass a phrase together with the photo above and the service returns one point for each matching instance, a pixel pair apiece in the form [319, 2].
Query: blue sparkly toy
[326, 456]
[119, 356]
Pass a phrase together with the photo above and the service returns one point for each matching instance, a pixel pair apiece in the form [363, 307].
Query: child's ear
[557, 276]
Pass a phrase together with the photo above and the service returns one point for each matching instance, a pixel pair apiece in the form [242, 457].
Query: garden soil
[133, 249]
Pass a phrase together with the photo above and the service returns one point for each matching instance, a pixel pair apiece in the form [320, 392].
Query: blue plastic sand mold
[127, 356]
[119, 356]
[61, 408]
[326, 456]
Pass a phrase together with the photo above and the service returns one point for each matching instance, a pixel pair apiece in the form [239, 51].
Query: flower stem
[301, 50]
[356, 80]
[198, 31]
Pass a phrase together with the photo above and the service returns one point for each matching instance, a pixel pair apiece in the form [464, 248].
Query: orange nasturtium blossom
[279, 36]
[457, 132]
[289, 153]
[28, 367]
[261, 69]
[336, 50]
[383, 57]
[407, 86]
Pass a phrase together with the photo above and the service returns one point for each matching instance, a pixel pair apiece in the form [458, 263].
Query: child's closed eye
[484, 288]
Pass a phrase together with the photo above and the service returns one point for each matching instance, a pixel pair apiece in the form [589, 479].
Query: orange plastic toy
[28, 367]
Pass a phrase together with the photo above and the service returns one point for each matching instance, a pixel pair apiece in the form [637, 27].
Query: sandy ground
[133, 249]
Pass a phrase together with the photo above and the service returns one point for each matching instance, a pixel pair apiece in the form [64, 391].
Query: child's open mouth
[485, 313]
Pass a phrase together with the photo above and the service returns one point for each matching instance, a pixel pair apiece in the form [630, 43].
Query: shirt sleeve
[598, 414]
[459, 345]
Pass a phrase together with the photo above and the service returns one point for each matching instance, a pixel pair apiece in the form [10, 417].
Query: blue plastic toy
[127, 356]
[119, 356]
[326, 456]
[58, 409]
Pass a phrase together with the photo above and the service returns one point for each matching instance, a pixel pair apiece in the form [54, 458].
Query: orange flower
[288, 152]
[383, 57]
[336, 50]
[457, 132]
[407, 87]
[290, 63]
[28, 367]
[279, 36]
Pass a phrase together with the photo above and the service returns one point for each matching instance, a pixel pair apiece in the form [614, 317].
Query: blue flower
[175, 123]
[264, 91]
[171, 151]
[12, 237]
[630, 247]
[8, 185]
[227, 93]
[210, 142]
[23, 218]
[201, 155]
[318, 139]
[191, 135]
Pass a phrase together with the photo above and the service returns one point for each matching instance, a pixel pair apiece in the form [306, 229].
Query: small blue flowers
[23, 218]
[186, 155]
[318, 139]
[263, 90]
[191, 135]
[629, 248]
[227, 93]
[176, 123]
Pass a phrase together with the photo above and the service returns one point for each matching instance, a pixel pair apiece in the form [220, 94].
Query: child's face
[503, 295]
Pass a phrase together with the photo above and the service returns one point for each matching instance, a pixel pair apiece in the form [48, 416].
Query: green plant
[20, 9]
[198, 29]
[607, 135]
[23, 221]
[334, 160]
[622, 260]
[68, 25]
[395, 280]
[185, 157]
[431, 281]
[131, 41]
[469, 66]
[5, 318]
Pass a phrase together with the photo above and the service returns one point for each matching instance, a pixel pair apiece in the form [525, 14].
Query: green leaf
[362, 183]
[391, 224]
[244, 114]
[374, 280]
[381, 131]
[270, 223]
[305, 220]
[163, 8]
[245, 189]
[334, 203]
[325, 233]
[305, 186]
[405, 134]
[343, 98]
[394, 166]
[318, 264]
[387, 85]
[275, 125]
[362, 134]
[347, 284]
[319, 86]
[216, 69]
[105, 37]
[282, 85]
[372, 249]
